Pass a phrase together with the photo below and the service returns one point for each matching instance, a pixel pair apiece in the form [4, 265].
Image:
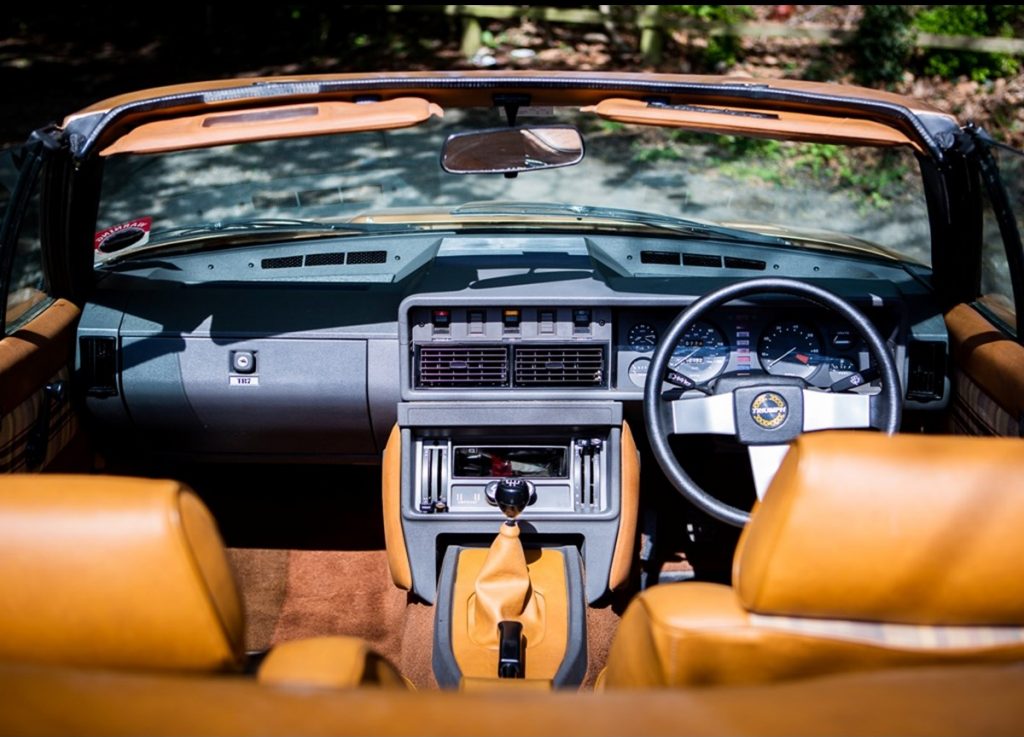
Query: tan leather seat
[867, 552]
[129, 573]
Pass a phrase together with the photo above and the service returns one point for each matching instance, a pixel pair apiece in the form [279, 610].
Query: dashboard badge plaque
[243, 381]
[769, 410]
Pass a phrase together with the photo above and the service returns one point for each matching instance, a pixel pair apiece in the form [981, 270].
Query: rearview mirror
[505, 150]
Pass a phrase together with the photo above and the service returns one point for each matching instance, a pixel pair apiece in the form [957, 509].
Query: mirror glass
[524, 148]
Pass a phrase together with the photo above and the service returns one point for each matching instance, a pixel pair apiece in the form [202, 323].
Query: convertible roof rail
[99, 125]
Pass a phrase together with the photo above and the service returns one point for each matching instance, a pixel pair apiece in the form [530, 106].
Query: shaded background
[56, 60]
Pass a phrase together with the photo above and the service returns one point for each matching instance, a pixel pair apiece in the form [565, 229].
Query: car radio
[458, 476]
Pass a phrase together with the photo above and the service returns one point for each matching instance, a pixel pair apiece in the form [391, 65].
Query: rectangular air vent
[557, 366]
[98, 367]
[926, 380]
[325, 259]
[281, 262]
[732, 262]
[441, 367]
[668, 258]
[699, 259]
[357, 258]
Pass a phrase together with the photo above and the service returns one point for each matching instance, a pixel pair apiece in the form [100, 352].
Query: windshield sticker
[120, 236]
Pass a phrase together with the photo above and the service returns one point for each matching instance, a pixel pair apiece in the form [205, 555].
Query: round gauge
[642, 337]
[790, 349]
[638, 371]
[840, 367]
[701, 354]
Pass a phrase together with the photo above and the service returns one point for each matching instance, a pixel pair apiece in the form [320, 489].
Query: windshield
[767, 186]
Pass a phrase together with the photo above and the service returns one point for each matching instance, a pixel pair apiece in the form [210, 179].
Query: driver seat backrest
[867, 551]
[131, 573]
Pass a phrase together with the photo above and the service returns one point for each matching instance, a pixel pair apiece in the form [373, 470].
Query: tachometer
[642, 337]
[701, 354]
[790, 349]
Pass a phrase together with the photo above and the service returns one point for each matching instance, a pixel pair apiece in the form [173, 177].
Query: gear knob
[512, 496]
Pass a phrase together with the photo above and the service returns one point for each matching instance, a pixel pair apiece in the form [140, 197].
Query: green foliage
[970, 20]
[883, 44]
[723, 50]
[875, 175]
[711, 13]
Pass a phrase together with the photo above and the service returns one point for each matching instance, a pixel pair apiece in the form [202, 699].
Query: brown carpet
[294, 594]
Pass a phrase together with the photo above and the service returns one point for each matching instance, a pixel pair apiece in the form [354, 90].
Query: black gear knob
[512, 496]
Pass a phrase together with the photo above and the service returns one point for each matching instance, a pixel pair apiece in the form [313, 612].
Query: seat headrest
[114, 572]
[906, 528]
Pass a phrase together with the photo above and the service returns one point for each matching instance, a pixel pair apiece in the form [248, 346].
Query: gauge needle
[688, 355]
[772, 363]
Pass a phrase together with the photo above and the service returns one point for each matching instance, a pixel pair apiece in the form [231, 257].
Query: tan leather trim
[503, 592]
[920, 701]
[916, 529]
[698, 634]
[212, 566]
[100, 571]
[994, 361]
[758, 122]
[547, 637]
[391, 492]
[473, 685]
[36, 351]
[264, 123]
[327, 662]
[622, 557]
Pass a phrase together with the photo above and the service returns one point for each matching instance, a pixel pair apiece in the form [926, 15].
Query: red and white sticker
[133, 233]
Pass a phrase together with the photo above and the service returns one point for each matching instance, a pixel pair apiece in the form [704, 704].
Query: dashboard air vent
[98, 362]
[325, 259]
[668, 258]
[732, 262]
[461, 366]
[357, 258]
[700, 259]
[926, 380]
[543, 366]
[281, 262]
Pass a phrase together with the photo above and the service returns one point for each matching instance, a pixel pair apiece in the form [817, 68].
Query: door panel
[34, 357]
[988, 375]
[37, 332]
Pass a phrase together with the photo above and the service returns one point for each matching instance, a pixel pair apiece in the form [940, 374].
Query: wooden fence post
[472, 36]
[652, 42]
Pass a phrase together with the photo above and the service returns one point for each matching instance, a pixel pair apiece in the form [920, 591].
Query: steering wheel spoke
[826, 410]
[764, 462]
[703, 415]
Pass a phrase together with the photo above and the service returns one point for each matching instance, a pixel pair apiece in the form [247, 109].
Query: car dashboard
[302, 351]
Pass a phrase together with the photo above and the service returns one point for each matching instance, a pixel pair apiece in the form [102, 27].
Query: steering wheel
[762, 411]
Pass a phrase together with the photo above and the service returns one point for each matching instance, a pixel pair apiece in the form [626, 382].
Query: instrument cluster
[815, 347]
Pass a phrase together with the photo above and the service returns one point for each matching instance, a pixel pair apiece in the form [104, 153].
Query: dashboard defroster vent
[543, 366]
[357, 258]
[281, 262]
[461, 366]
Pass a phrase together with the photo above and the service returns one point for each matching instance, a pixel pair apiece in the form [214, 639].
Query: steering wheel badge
[769, 410]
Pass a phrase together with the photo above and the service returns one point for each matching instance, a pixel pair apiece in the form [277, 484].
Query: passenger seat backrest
[114, 572]
[905, 529]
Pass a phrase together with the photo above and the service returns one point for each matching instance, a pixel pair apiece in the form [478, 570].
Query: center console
[455, 453]
[499, 397]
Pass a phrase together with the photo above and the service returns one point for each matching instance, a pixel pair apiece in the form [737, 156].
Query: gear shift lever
[513, 495]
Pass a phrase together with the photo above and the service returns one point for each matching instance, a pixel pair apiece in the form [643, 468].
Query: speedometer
[701, 354]
[790, 349]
